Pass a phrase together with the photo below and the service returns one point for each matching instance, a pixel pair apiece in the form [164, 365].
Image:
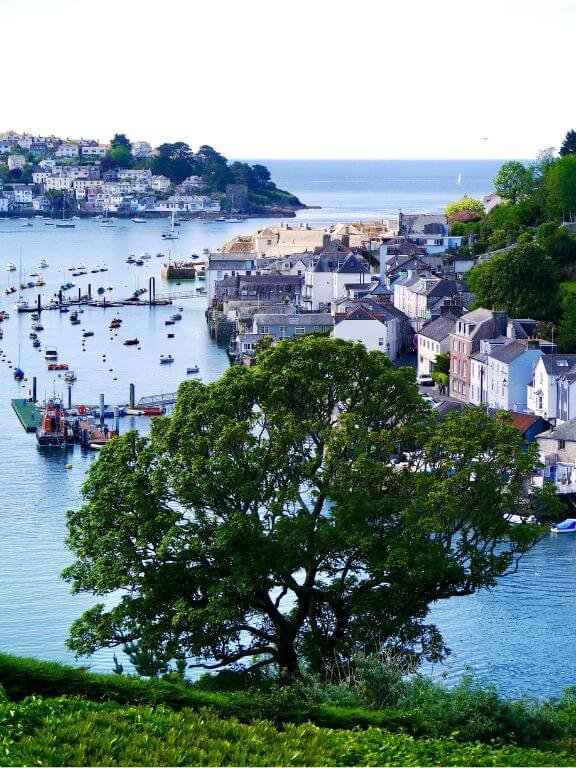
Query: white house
[434, 340]
[420, 296]
[16, 162]
[378, 327]
[325, 279]
[98, 151]
[161, 183]
[557, 448]
[509, 371]
[67, 150]
[141, 149]
[551, 393]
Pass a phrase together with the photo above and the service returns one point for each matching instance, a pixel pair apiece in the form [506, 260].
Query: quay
[27, 412]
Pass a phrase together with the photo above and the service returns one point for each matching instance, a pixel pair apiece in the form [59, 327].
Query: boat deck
[28, 413]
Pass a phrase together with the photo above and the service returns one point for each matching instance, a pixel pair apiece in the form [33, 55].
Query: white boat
[51, 353]
[166, 360]
[138, 220]
[521, 519]
[26, 224]
[566, 526]
[233, 221]
[145, 255]
[21, 305]
[11, 267]
[43, 264]
[134, 412]
[192, 369]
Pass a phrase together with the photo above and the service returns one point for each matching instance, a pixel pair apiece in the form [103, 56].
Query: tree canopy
[121, 140]
[265, 521]
[522, 281]
[569, 144]
[514, 181]
[560, 188]
[466, 204]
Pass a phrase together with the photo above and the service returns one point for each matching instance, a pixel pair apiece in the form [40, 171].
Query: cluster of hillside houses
[74, 168]
[397, 286]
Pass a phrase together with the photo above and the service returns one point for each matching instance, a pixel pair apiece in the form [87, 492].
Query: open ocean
[520, 635]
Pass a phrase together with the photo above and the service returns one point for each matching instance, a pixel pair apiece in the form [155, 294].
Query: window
[381, 341]
[299, 330]
[561, 445]
[283, 329]
[265, 329]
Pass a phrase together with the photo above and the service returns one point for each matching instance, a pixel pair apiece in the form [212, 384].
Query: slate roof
[566, 431]
[523, 421]
[507, 353]
[551, 363]
[312, 318]
[440, 328]
[352, 265]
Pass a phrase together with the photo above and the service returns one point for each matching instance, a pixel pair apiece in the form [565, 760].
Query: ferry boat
[51, 431]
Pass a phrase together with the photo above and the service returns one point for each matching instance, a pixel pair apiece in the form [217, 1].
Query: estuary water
[519, 635]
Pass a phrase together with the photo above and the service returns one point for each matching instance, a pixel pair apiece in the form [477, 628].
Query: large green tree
[567, 328]
[514, 181]
[265, 520]
[569, 144]
[560, 188]
[523, 281]
[121, 140]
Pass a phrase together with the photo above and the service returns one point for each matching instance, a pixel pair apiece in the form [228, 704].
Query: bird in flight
[484, 138]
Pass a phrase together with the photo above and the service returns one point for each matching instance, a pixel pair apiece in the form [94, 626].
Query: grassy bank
[58, 715]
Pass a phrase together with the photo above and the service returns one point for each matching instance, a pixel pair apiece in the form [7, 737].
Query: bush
[74, 732]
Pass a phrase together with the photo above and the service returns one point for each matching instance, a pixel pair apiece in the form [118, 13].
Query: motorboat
[11, 267]
[57, 366]
[566, 526]
[37, 327]
[70, 377]
[21, 305]
[43, 264]
[145, 255]
[164, 360]
[130, 260]
[138, 220]
[169, 322]
[65, 224]
[36, 343]
[87, 333]
[51, 353]
[139, 262]
[192, 369]
[521, 519]
[131, 342]
[26, 224]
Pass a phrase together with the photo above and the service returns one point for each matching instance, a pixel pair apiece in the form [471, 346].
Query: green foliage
[121, 156]
[442, 364]
[523, 281]
[569, 144]
[514, 181]
[73, 732]
[567, 329]
[468, 204]
[252, 490]
[120, 140]
[498, 239]
[560, 188]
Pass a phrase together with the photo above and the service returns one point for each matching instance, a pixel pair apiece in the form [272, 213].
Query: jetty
[28, 413]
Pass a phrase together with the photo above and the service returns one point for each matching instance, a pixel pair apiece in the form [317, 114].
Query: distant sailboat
[459, 178]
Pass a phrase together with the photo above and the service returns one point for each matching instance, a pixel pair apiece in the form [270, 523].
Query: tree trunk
[287, 659]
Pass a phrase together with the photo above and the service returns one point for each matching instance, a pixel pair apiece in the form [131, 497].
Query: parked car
[425, 380]
[428, 399]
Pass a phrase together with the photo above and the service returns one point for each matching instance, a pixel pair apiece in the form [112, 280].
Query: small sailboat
[171, 235]
[459, 178]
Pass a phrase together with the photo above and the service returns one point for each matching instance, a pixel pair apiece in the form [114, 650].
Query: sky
[299, 79]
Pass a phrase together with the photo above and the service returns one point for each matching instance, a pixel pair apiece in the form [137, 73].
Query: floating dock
[28, 413]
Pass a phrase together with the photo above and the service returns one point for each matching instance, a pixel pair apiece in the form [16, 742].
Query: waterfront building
[325, 278]
[224, 265]
[557, 448]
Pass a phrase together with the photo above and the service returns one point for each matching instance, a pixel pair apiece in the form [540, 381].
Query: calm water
[520, 634]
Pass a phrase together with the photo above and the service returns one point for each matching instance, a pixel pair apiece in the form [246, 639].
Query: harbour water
[519, 635]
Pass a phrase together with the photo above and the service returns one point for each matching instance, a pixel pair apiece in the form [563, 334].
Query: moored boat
[566, 526]
[192, 369]
[164, 360]
[131, 342]
[51, 431]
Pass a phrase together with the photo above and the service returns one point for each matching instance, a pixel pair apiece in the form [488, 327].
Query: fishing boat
[192, 369]
[131, 342]
[51, 431]
[566, 526]
[165, 360]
